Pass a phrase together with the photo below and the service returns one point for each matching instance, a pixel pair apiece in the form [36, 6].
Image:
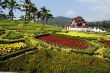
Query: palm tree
[0, 10]
[38, 15]
[45, 15]
[29, 9]
[33, 13]
[49, 16]
[22, 17]
[11, 5]
[1, 15]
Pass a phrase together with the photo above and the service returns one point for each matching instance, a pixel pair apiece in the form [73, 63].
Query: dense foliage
[101, 24]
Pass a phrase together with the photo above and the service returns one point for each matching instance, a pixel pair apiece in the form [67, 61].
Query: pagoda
[78, 21]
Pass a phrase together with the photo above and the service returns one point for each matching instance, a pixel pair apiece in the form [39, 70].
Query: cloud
[100, 8]
[70, 14]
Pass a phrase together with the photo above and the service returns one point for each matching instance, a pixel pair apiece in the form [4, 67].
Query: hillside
[40, 48]
[60, 21]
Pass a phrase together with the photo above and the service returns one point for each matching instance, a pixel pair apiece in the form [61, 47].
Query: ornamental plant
[7, 48]
[64, 42]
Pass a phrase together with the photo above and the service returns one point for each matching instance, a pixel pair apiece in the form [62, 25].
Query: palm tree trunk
[46, 20]
[12, 14]
[12, 9]
[25, 15]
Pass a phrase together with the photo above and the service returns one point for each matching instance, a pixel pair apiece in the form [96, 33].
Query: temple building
[79, 24]
[78, 21]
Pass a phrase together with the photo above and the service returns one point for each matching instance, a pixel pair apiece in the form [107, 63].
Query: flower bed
[89, 36]
[63, 42]
[106, 43]
[7, 48]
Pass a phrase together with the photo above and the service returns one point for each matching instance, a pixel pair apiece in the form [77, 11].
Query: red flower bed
[106, 43]
[63, 42]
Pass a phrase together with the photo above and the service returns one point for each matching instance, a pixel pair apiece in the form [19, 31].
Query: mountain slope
[60, 21]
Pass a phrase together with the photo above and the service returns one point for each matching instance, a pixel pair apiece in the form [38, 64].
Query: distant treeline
[101, 24]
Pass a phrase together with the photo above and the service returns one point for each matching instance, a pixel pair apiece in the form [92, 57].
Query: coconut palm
[29, 9]
[22, 17]
[49, 16]
[2, 15]
[45, 14]
[33, 13]
[11, 5]
[0, 10]
[38, 15]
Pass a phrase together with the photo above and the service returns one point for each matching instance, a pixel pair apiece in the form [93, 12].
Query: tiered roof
[79, 20]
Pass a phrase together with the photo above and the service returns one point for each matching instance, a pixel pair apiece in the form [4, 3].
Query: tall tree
[38, 15]
[33, 13]
[29, 9]
[45, 14]
[0, 10]
[49, 16]
[11, 5]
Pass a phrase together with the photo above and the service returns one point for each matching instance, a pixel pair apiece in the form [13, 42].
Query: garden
[35, 47]
[32, 40]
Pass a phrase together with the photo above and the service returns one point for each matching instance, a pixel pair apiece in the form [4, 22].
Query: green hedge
[10, 34]
[2, 32]
[7, 41]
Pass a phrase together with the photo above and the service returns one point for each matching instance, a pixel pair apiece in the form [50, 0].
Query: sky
[90, 10]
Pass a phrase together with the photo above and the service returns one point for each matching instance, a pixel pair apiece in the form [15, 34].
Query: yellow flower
[5, 48]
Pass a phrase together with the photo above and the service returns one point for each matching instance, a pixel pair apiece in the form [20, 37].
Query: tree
[30, 9]
[11, 5]
[45, 14]
[33, 13]
[22, 17]
[39, 15]
[2, 15]
[49, 16]
[1, 12]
